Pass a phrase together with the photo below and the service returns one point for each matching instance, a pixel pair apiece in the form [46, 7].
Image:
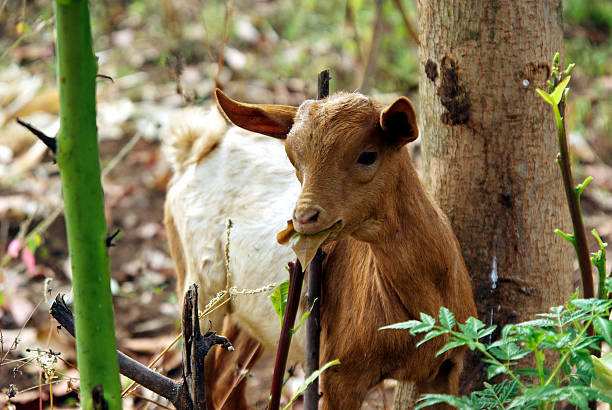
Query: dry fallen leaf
[304, 246]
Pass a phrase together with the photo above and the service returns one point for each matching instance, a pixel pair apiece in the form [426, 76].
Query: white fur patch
[247, 178]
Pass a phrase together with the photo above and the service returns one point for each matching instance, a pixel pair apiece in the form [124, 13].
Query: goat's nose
[306, 216]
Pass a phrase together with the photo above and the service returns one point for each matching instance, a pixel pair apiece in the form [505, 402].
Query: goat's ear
[398, 122]
[268, 119]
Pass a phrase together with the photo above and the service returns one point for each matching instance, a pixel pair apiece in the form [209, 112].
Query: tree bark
[489, 148]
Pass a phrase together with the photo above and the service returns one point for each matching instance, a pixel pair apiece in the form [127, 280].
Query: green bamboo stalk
[78, 161]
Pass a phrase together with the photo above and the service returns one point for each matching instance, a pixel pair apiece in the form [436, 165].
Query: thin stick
[3, 6]
[352, 22]
[296, 277]
[374, 50]
[313, 323]
[16, 341]
[409, 27]
[242, 373]
[313, 329]
[141, 397]
[229, 11]
[121, 154]
[323, 84]
[215, 306]
[154, 381]
[172, 390]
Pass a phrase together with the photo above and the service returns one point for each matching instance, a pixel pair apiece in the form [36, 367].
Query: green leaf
[450, 346]
[603, 374]
[604, 328]
[309, 381]
[471, 327]
[585, 304]
[510, 351]
[430, 399]
[567, 236]
[427, 323]
[304, 317]
[486, 332]
[538, 323]
[431, 335]
[494, 370]
[531, 372]
[556, 59]
[402, 325]
[601, 243]
[447, 319]
[557, 94]
[279, 299]
[580, 187]
[545, 96]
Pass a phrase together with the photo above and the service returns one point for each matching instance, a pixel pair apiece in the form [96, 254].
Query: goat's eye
[367, 158]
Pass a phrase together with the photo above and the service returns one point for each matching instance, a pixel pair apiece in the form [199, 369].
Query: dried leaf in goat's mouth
[285, 235]
[304, 246]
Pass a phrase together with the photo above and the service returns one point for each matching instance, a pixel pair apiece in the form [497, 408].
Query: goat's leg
[344, 387]
[225, 381]
[445, 382]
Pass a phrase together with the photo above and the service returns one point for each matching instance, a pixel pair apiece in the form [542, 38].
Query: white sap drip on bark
[494, 276]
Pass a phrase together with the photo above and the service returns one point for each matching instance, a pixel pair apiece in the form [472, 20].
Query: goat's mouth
[305, 245]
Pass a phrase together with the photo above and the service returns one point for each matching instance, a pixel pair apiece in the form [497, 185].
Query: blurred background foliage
[280, 46]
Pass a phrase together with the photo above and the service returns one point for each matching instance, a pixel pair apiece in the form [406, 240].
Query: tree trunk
[489, 148]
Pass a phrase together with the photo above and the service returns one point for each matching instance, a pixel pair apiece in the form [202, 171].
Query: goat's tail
[192, 134]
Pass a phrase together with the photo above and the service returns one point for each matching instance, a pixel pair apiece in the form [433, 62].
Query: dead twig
[186, 394]
[229, 11]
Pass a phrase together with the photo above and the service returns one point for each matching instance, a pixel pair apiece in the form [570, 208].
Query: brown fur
[225, 381]
[392, 252]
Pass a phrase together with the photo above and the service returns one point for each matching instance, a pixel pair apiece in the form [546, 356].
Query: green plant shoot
[309, 381]
[79, 165]
[563, 330]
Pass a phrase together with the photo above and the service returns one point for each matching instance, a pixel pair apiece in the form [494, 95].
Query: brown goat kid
[391, 253]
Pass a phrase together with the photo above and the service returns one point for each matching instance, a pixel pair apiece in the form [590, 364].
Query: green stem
[78, 161]
[566, 354]
[602, 293]
[573, 201]
[539, 359]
